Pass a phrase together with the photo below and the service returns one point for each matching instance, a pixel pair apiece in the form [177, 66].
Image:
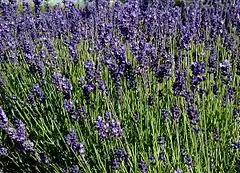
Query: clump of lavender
[102, 126]
[19, 135]
[72, 141]
[198, 68]
[108, 129]
[93, 80]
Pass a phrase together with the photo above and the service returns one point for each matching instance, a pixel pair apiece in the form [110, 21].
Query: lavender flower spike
[3, 118]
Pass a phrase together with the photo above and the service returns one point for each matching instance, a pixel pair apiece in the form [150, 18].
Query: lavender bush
[112, 86]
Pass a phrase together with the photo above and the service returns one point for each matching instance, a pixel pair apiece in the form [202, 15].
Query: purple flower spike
[20, 134]
[69, 106]
[198, 68]
[176, 112]
[143, 166]
[72, 141]
[115, 128]
[28, 145]
[3, 118]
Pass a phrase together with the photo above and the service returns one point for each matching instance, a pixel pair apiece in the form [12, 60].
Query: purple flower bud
[20, 134]
[183, 152]
[108, 115]
[212, 62]
[165, 113]
[31, 98]
[231, 94]
[176, 112]
[198, 68]
[236, 145]
[178, 171]
[75, 169]
[188, 160]
[44, 158]
[3, 151]
[115, 164]
[152, 159]
[28, 145]
[225, 67]
[143, 166]
[226, 72]
[69, 106]
[116, 130]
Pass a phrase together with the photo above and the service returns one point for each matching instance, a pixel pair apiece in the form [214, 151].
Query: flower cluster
[72, 141]
[108, 129]
[17, 134]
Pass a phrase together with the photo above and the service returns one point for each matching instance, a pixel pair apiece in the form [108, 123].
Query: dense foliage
[136, 86]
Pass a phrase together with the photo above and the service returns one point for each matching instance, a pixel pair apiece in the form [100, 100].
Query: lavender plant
[113, 86]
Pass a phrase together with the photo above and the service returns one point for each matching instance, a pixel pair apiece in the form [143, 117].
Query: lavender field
[126, 87]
